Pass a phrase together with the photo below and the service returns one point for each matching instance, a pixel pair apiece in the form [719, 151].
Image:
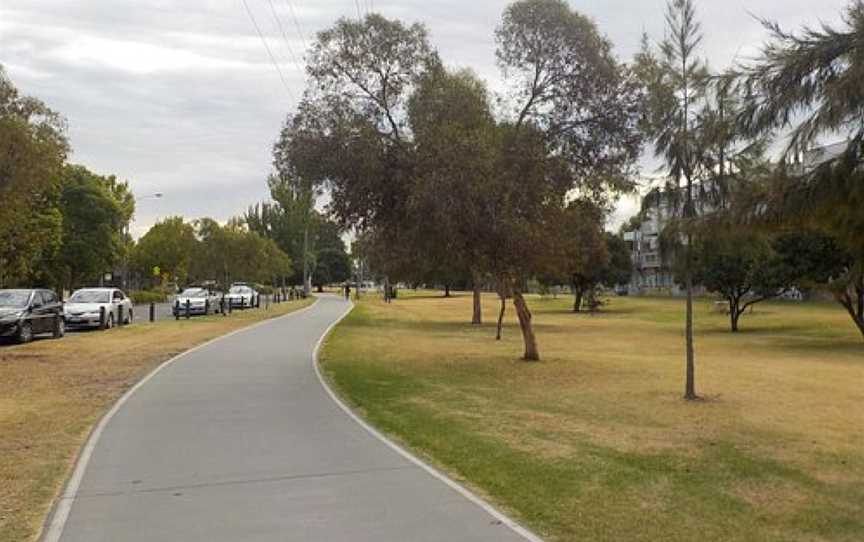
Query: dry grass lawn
[596, 443]
[53, 392]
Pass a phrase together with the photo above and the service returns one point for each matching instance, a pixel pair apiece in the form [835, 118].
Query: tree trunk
[477, 316]
[306, 277]
[531, 352]
[320, 288]
[577, 299]
[500, 317]
[859, 321]
[734, 313]
[690, 385]
[854, 305]
[446, 290]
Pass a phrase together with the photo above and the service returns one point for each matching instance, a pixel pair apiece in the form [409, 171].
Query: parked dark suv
[26, 313]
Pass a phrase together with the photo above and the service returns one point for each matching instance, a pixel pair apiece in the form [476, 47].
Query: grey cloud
[196, 117]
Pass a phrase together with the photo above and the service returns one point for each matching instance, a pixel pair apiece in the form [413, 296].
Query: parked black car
[26, 313]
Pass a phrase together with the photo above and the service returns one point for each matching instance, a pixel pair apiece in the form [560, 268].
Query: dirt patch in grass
[596, 443]
[52, 392]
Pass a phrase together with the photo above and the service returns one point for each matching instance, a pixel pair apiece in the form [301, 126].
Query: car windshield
[194, 292]
[90, 296]
[240, 290]
[14, 298]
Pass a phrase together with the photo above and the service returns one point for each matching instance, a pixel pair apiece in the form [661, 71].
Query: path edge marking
[52, 528]
[452, 484]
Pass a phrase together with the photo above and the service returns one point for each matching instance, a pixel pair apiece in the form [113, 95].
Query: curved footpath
[238, 440]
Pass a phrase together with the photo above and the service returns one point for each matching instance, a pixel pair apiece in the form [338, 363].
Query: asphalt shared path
[239, 440]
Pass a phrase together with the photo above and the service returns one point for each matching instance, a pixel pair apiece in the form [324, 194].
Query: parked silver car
[83, 308]
[241, 295]
[201, 301]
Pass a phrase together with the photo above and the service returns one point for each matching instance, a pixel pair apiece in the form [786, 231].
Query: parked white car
[83, 307]
[201, 301]
[241, 295]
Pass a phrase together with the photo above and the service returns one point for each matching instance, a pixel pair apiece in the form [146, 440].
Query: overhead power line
[296, 23]
[297, 62]
[269, 52]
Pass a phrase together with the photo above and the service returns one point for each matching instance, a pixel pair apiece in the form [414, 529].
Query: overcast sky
[181, 97]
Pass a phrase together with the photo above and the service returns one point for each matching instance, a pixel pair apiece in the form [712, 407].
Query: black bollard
[152, 311]
[176, 309]
[222, 305]
[188, 309]
[242, 303]
[103, 321]
[119, 315]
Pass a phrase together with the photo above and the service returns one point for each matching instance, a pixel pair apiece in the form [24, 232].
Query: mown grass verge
[595, 442]
[52, 392]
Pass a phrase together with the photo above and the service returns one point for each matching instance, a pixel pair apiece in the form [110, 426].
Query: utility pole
[307, 279]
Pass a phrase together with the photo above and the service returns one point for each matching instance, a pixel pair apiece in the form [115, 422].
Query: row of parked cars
[25, 313]
[206, 301]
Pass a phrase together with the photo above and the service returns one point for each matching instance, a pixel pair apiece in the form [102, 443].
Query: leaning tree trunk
[446, 290]
[477, 316]
[531, 351]
[859, 321]
[500, 316]
[853, 301]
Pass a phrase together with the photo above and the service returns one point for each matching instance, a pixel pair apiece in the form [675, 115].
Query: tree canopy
[33, 149]
[417, 161]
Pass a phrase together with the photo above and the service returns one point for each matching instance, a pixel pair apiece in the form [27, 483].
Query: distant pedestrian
[347, 291]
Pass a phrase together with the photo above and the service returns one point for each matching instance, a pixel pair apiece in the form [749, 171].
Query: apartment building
[652, 273]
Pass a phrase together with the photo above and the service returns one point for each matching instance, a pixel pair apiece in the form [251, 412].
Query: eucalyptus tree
[809, 84]
[415, 160]
[677, 83]
[454, 139]
[350, 133]
[584, 250]
[572, 115]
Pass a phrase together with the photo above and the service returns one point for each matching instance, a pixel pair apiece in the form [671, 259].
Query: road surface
[238, 440]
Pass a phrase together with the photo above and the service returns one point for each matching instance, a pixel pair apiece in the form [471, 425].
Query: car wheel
[25, 332]
[59, 328]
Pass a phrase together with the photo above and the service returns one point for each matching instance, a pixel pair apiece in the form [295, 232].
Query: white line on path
[465, 492]
[57, 519]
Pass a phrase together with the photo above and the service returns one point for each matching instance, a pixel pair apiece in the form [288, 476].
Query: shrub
[263, 289]
[140, 297]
